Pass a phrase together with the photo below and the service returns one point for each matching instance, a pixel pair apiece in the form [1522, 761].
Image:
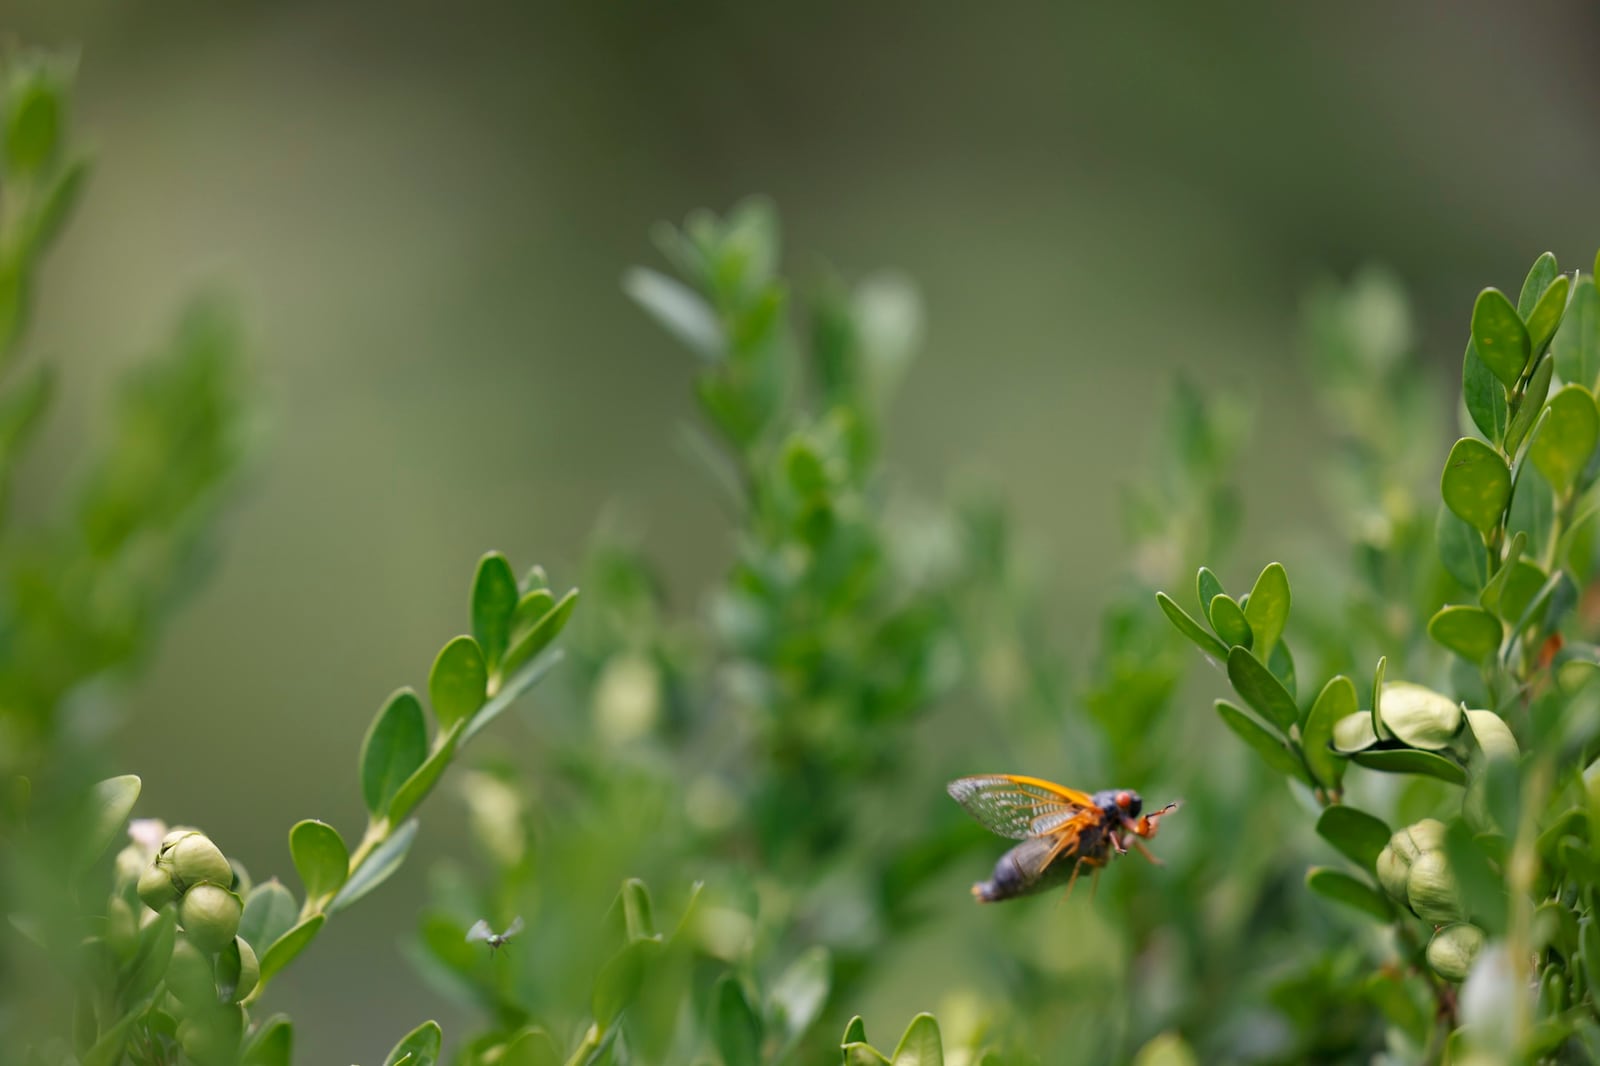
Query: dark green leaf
[533, 606]
[1546, 316]
[1531, 405]
[151, 954]
[1342, 888]
[855, 1032]
[104, 818]
[1271, 749]
[620, 978]
[1490, 597]
[419, 784]
[1576, 346]
[1268, 609]
[735, 1027]
[396, 744]
[272, 1044]
[1482, 892]
[458, 684]
[1261, 690]
[1227, 618]
[1471, 632]
[1567, 439]
[1358, 835]
[286, 947]
[378, 867]
[637, 911]
[494, 599]
[320, 858]
[1485, 397]
[1461, 550]
[1192, 629]
[1209, 586]
[920, 1046]
[420, 1047]
[1476, 484]
[1500, 335]
[1540, 275]
[1522, 582]
[1336, 701]
[1407, 761]
[541, 633]
[269, 912]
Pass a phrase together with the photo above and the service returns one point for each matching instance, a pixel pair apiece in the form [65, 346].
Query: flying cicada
[1063, 831]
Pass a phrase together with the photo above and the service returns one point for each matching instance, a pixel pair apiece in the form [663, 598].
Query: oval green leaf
[1471, 632]
[1476, 484]
[735, 1027]
[1500, 335]
[1576, 346]
[1531, 407]
[1336, 702]
[269, 912]
[540, 634]
[1227, 618]
[1354, 733]
[458, 684]
[494, 598]
[395, 745]
[620, 978]
[1568, 437]
[378, 867]
[1272, 750]
[921, 1045]
[1546, 315]
[1267, 610]
[1408, 761]
[533, 606]
[1494, 737]
[1461, 550]
[419, 784]
[1342, 888]
[105, 814]
[272, 1044]
[1186, 625]
[1358, 835]
[1540, 275]
[320, 858]
[1484, 396]
[420, 1047]
[1209, 587]
[1261, 690]
[286, 947]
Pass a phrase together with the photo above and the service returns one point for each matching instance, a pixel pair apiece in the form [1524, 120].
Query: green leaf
[1192, 629]
[104, 817]
[272, 1044]
[1227, 618]
[1471, 632]
[320, 858]
[494, 599]
[1522, 582]
[419, 784]
[269, 912]
[638, 914]
[1261, 690]
[458, 684]
[734, 1025]
[152, 954]
[420, 1047]
[1546, 316]
[620, 978]
[1378, 725]
[1268, 609]
[1461, 550]
[1271, 749]
[1500, 335]
[801, 990]
[519, 683]
[1531, 405]
[1485, 397]
[286, 947]
[1281, 663]
[862, 1054]
[533, 606]
[679, 310]
[1358, 835]
[1540, 275]
[920, 1046]
[108, 1049]
[530, 1047]
[1567, 440]
[1476, 484]
[541, 633]
[855, 1032]
[1495, 589]
[1354, 732]
[1576, 346]
[1407, 761]
[395, 745]
[1342, 888]
[378, 867]
[1209, 586]
[1336, 701]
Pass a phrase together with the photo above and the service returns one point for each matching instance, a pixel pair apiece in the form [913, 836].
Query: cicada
[481, 931]
[1063, 831]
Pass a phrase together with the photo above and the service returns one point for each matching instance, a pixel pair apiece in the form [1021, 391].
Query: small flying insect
[481, 931]
[1063, 831]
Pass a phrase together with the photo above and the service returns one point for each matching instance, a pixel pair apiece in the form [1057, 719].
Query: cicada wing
[513, 929]
[1020, 807]
[480, 931]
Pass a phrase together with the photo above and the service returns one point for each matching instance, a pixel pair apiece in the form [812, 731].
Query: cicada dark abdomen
[1029, 868]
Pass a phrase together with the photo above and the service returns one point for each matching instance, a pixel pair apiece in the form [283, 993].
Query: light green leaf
[1261, 690]
[1546, 316]
[620, 978]
[395, 745]
[530, 1047]
[862, 1054]
[1378, 725]
[1192, 629]
[1476, 484]
[105, 816]
[1228, 619]
[1540, 275]
[419, 784]
[1354, 732]
[638, 913]
[1407, 761]
[920, 1046]
[734, 1025]
[801, 990]
[1567, 439]
[378, 867]
[1342, 888]
[286, 947]
[1471, 632]
[1485, 397]
[1271, 749]
[320, 858]
[458, 684]
[679, 310]
[1531, 405]
[272, 1044]
[420, 1047]
[541, 633]
[1335, 702]
[1500, 335]
[1268, 609]
[494, 599]
[1209, 587]
[1357, 834]
[269, 912]
[1494, 737]
[1576, 346]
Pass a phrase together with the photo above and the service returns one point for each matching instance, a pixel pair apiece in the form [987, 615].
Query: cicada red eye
[1124, 800]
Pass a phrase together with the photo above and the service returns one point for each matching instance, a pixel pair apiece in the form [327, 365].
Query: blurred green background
[425, 210]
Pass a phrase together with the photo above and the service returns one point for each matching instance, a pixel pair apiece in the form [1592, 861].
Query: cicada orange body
[1063, 831]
